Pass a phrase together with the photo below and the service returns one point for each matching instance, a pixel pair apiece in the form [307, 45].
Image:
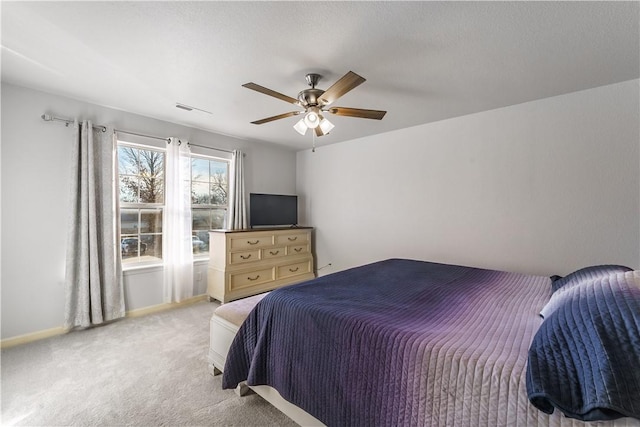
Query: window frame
[210, 207]
[140, 208]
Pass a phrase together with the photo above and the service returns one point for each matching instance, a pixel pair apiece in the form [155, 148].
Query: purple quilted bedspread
[397, 342]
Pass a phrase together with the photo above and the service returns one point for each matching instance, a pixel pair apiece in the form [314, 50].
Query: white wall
[544, 187]
[35, 191]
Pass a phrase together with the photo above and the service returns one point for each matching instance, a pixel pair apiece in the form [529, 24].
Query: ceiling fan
[316, 102]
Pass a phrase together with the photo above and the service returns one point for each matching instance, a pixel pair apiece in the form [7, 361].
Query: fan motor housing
[310, 97]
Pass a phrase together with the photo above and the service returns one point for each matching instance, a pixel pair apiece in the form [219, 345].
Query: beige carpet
[146, 371]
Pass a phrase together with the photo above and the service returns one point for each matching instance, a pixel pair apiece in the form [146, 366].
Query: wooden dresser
[248, 262]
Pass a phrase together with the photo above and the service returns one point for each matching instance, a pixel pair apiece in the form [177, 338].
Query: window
[141, 176]
[209, 198]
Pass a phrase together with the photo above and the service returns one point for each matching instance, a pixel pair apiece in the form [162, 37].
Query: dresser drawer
[250, 278]
[292, 238]
[251, 242]
[243, 257]
[294, 269]
[297, 249]
[271, 253]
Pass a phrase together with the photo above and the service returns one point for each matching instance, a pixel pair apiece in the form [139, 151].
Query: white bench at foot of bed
[224, 325]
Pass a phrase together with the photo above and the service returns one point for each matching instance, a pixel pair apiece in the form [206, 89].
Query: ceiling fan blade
[279, 116]
[357, 112]
[270, 92]
[342, 86]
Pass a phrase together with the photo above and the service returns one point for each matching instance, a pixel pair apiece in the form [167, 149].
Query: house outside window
[209, 198]
[141, 178]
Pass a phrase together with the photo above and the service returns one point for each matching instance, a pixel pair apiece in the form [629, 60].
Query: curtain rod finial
[46, 117]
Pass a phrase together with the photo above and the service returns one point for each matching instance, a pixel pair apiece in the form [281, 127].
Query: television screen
[272, 209]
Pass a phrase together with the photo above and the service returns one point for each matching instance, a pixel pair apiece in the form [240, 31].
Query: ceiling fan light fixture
[326, 126]
[312, 119]
[301, 127]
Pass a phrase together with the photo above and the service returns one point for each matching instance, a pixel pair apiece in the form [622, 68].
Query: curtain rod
[50, 118]
[142, 134]
[213, 148]
[67, 122]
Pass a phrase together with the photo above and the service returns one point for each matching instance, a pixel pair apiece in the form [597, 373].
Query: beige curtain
[93, 277]
[237, 218]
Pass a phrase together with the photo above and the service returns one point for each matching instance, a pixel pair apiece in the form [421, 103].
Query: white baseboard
[33, 336]
[166, 306]
[48, 333]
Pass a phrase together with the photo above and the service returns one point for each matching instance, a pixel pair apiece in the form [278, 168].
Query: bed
[404, 342]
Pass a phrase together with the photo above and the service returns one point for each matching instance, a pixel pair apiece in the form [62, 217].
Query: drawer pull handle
[253, 243]
[245, 257]
[274, 253]
[297, 249]
[253, 278]
[292, 239]
[293, 270]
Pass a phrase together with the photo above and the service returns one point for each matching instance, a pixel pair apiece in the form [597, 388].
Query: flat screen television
[272, 210]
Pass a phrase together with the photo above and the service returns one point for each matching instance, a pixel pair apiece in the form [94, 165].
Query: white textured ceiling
[423, 61]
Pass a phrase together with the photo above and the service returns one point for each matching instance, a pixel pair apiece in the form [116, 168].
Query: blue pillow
[572, 288]
[587, 274]
[584, 358]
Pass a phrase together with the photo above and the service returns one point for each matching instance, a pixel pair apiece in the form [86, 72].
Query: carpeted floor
[145, 371]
